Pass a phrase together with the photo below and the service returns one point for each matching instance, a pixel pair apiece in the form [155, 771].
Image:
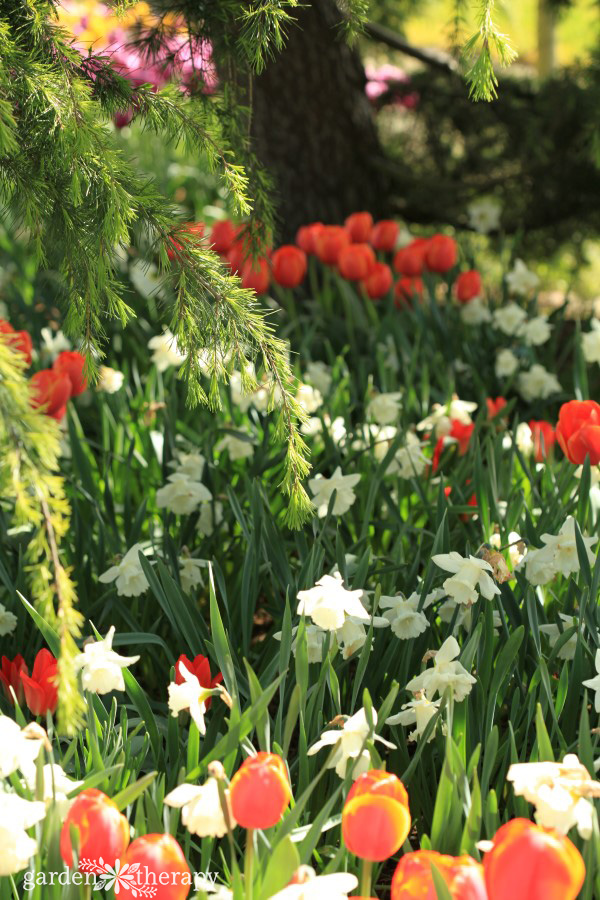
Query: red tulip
[578, 431]
[544, 438]
[260, 791]
[528, 862]
[51, 389]
[495, 407]
[103, 831]
[376, 818]
[18, 340]
[200, 667]
[193, 230]
[289, 266]
[161, 863]
[330, 240]
[462, 434]
[379, 282]
[467, 286]
[222, 235]
[255, 275]
[72, 365]
[41, 693]
[413, 879]
[359, 226]
[356, 261]
[10, 677]
[385, 235]
[410, 260]
[407, 289]
[441, 254]
[306, 237]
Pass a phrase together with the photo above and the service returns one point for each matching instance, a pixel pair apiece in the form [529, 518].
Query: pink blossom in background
[380, 79]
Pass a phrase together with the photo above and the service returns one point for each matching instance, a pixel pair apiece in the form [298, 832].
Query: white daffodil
[558, 555]
[524, 439]
[521, 280]
[109, 380]
[475, 312]
[319, 374]
[440, 418]
[8, 621]
[307, 885]
[165, 353]
[309, 398]
[484, 214]
[55, 785]
[189, 695]
[328, 603]
[594, 683]
[464, 616]
[101, 666]
[190, 464]
[190, 572]
[384, 408]
[377, 437]
[509, 318]
[16, 815]
[553, 632]
[182, 495]
[201, 810]
[322, 489]
[406, 621]
[536, 331]
[238, 446]
[446, 672]
[409, 460]
[559, 792]
[352, 636]
[347, 743]
[19, 748]
[128, 575]
[418, 712]
[468, 576]
[315, 639]
[210, 516]
[506, 364]
[538, 384]
[516, 546]
[590, 343]
[52, 344]
[336, 428]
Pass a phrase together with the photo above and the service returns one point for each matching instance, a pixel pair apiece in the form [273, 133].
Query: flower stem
[249, 863]
[365, 877]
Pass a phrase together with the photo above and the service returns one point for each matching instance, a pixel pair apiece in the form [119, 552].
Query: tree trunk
[313, 126]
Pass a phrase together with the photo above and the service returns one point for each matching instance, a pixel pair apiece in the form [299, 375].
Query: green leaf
[283, 861]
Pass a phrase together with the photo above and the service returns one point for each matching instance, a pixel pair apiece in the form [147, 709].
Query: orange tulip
[467, 286]
[410, 260]
[41, 693]
[255, 275]
[51, 389]
[495, 407]
[379, 282]
[356, 261]
[19, 340]
[359, 225]
[406, 289]
[578, 431]
[413, 879]
[306, 237]
[384, 235]
[289, 266]
[103, 831]
[528, 862]
[72, 364]
[441, 254]
[544, 438]
[260, 791]
[161, 863]
[222, 235]
[376, 818]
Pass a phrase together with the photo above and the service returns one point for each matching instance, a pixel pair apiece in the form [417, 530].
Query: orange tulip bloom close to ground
[103, 831]
[160, 855]
[376, 817]
[260, 791]
[413, 879]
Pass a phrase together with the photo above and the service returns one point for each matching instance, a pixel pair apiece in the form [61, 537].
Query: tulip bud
[289, 266]
[51, 390]
[329, 242]
[378, 282]
[407, 290]
[528, 862]
[72, 364]
[255, 275]
[306, 237]
[467, 286]
[356, 261]
[359, 226]
[161, 860]
[103, 831]
[260, 791]
[410, 260]
[441, 254]
[578, 431]
[222, 236]
[385, 235]
[41, 694]
[376, 818]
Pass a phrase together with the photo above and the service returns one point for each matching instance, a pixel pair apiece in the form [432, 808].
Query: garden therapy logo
[126, 878]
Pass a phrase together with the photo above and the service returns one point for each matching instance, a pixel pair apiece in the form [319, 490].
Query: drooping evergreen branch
[478, 55]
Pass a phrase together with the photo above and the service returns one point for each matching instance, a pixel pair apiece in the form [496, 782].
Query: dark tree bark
[314, 129]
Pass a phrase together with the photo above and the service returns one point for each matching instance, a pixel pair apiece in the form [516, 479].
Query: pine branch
[480, 75]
